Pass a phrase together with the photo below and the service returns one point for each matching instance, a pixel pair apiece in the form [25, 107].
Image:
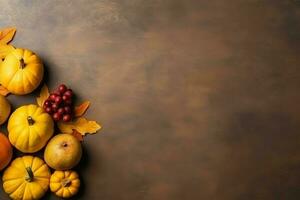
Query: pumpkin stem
[22, 63]
[29, 176]
[30, 120]
[66, 182]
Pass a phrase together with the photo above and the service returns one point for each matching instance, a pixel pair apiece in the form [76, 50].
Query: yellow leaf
[3, 91]
[6, 35]
[5, 49]
[81, 109]
[44, 94]
[81, 125]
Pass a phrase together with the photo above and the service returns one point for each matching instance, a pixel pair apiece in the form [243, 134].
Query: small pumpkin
[5, 109]
[5, 151]
[65, 184]
[29, 128]
[27, 178]
[21, 71]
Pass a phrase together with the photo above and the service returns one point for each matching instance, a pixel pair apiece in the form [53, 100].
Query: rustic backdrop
[199, 99]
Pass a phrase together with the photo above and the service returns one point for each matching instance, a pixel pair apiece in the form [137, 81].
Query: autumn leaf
[44, 94]
[77, 135]
[82, 125]
[5, 49]
[6, 35]
[81, 109]
[4, 91]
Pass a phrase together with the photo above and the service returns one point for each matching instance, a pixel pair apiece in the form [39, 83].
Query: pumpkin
[4, 108]
[5, 151]
[27, 178]
[65, 184]
[21, 71]
[29, 128]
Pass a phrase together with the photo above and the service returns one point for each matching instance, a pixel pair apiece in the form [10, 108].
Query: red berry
[61, 111]
[58, 99]
[47, 103]
[52, 97]
[56, 92]
[66, 118]
[56, 116]
[62, 88]
[48, 110]
[54, 107]
[54, 110]
[68, 93]
[68, 102]
[64, 97]
[67, 109]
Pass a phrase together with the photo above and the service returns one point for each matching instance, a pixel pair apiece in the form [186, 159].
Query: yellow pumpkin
[21, 71]
[65, 184]
[27, 178]
[4, 109]
[29, 128]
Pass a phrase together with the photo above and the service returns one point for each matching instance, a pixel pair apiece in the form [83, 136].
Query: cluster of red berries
[59, 104]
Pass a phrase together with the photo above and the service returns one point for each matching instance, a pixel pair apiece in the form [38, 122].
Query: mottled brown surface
[199, 99]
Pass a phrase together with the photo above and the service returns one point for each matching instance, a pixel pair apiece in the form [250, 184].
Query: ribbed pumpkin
[65, 184]
[27, 178]
[4, 109]
[29, 128]
[21, 72]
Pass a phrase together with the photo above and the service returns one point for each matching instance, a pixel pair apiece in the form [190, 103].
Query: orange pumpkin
[5, 151]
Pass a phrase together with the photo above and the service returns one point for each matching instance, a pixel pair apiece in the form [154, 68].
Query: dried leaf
[81, 109]
[82, 125]
[77, 135]
[44, 94]
[6, 35]
[5, 49]
[3, 91]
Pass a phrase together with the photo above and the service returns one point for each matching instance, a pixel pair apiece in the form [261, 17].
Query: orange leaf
[77, 135]
[6, 35]
[81, 125]
[3, 91]
[44, 94]
[4, 50]
[81, 109]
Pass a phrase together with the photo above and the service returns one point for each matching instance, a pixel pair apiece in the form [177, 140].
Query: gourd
[65, 184]
[27, 178]
[21, 71]
[5, 109]
[29, 128]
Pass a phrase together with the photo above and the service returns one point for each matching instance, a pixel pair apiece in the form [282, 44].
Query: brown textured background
[198, 99]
